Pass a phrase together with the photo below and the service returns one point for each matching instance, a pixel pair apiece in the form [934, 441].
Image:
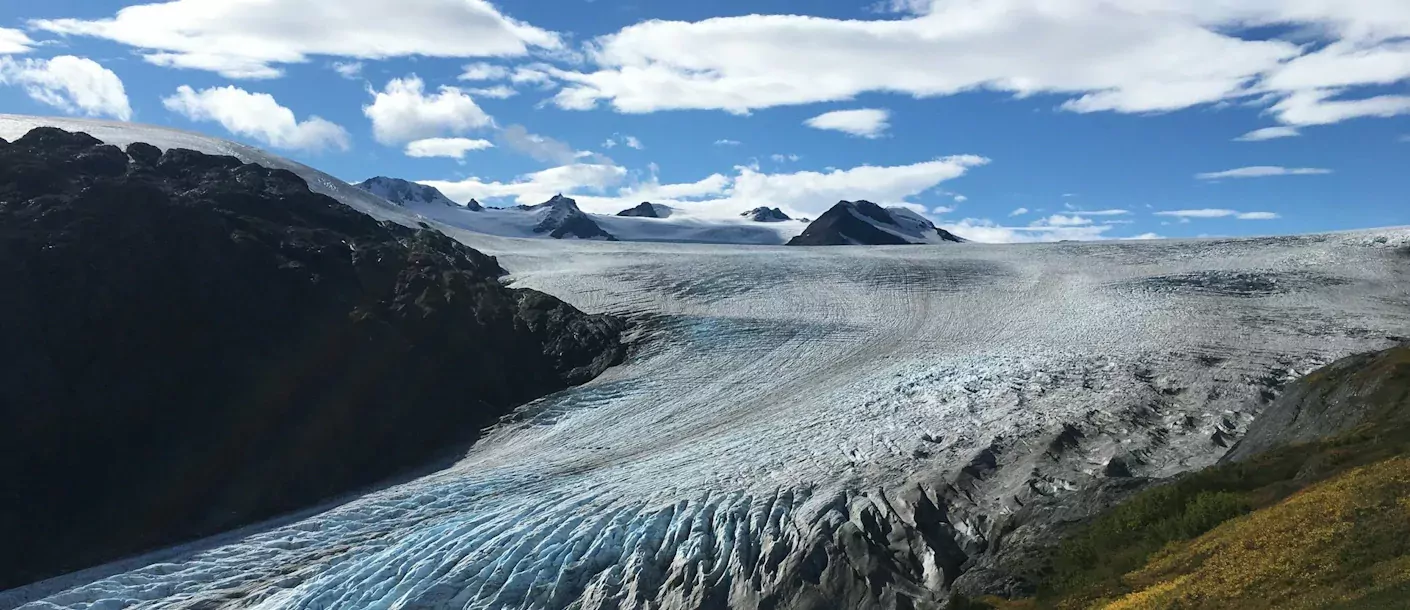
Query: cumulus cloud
[624, 140]
[1019, 212]
[1262, 171]
[403, 111]
[13, 41]
[961, 199]
[498, 92]
[1059, 220]
[453, 148]
[257, 116]
[351, 70]
[75, 85]
[253, 38]
[484, 71]
[1185, 215]
[862, 122]
[1134, 57]
[1269, 133]
[535, 187]
[782, 158]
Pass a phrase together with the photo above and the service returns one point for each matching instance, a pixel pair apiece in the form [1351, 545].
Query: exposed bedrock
[191, 344]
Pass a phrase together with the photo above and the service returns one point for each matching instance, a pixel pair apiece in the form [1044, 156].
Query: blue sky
[1005, 120]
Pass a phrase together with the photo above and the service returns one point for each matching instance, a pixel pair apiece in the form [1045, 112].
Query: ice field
[798, 424]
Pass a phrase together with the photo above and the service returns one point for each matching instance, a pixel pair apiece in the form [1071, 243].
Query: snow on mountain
[405, 192]
[766, 214]
[851, 223]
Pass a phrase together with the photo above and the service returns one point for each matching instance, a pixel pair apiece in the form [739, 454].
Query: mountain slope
[193, 344]
[850, 223]
[407, 193]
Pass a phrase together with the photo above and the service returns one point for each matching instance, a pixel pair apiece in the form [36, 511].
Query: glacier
[797, 427]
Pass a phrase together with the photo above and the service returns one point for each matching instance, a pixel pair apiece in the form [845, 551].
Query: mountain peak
[646, 209]
[852, 223]
[766, 214]
[405, 192]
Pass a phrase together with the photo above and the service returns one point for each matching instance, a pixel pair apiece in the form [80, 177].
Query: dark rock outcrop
[765, 214]
[192, 344]
[853, 223]
[642, 210]
[560, 218]
[1332, 399]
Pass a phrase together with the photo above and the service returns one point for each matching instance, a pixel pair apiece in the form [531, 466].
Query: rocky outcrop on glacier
[863, 223]
[192, 343]
[408, 193]
[646, 210]
[766, 214]
[560, 218]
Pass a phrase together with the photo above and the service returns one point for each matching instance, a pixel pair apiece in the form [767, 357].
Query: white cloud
[1258, 216]
[862, 122]
[1203, 213]
[727, 142]
[1134, 56]
[351, 70]
[1019, 212]
[1268, 133]
[1079, 212]
[714, 184]
[1263, 171]
[987, 231]
[257, 116]
[782, 158]
[453, 148]
[1143, 236]
[403, 112]
[805, 193]
[1185, 215]
[14, 41]
[76, 85]
[628, 141]
[1059, 220]
[252, 38]
[941, 210]
[536, 187]
[484, 71]
[498, 92]
[542, 148]
[961, 199]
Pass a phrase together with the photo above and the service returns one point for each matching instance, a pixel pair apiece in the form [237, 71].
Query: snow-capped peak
[405, 192]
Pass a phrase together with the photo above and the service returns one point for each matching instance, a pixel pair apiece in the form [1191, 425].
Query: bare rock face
[193, 344]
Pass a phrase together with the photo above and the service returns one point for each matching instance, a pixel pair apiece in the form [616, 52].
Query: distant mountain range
[847, 223]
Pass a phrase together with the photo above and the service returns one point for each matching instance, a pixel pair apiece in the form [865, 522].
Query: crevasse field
[798, 424]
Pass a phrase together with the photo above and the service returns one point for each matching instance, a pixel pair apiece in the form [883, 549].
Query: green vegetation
[1316, 525]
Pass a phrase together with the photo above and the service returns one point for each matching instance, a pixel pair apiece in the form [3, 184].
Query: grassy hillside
[1324, 524]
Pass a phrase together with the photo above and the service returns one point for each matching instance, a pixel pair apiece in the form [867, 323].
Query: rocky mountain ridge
[211, 343]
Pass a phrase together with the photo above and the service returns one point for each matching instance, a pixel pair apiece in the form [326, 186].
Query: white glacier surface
[781, 400]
